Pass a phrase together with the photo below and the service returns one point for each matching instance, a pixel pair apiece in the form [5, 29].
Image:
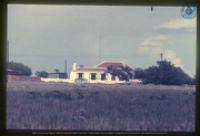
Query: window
[93, 76]
[113, 77]
[103, 76]
[80, 75]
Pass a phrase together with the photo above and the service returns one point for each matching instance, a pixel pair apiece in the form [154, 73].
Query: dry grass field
[64, 106]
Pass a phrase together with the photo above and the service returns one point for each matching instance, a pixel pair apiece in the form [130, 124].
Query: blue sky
[44, 36]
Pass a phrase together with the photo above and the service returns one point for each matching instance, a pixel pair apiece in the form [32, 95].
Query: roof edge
[109, 62]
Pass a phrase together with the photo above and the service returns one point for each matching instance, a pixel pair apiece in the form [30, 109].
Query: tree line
[20, 68]
[164, 73]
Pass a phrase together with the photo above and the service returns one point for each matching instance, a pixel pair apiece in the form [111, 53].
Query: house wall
[53, 75]
[57, 75]
[87, 76]
[56, 80]
[136, 81]
[73, 76]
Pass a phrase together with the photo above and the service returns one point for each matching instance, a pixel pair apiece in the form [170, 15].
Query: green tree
[56, 70]
[123, 73]
[139, 73]
[20, 68]
[167, 74]
[152, 75]
[41, 74]
[194, 80]
[128, 71]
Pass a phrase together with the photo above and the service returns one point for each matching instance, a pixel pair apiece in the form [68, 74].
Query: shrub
[165, 73]
[42, 74]
[20, 68]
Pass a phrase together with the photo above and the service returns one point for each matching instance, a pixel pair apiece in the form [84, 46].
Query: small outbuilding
[57, 75]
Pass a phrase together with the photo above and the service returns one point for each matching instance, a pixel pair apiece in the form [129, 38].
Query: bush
[42, 74]
[139, 73]
[20, 68]
[165, 73]
[123, 73]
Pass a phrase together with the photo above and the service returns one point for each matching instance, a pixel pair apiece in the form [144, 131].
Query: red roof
[83, 69]
[102, 67]
[114, 64]
[10, 70]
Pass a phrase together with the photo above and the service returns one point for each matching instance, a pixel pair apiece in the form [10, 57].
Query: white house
[97, 74]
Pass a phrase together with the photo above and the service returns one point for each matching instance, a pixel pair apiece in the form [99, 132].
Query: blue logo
[189, 10]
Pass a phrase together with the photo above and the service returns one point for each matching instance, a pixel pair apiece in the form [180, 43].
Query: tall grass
[61, 106]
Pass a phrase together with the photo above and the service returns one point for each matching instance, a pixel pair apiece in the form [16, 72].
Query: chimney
[74, 66]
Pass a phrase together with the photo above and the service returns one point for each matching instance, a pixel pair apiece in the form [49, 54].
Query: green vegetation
[20, 68]
[41, 74]
[56, 70]
[121, 72]
[165, 73]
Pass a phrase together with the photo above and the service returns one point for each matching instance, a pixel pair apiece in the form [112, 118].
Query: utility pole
[100, 50]
[66, 67]
[161, 56]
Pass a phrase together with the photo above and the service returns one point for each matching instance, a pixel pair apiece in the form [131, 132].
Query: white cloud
[171, 56]
[179, 23]
[152, 46]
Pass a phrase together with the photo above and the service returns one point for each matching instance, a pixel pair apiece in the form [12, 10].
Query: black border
[3, 79]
